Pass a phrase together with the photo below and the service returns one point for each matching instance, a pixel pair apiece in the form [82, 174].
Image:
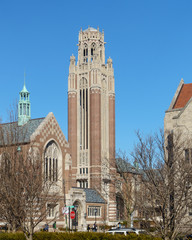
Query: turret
[24, 107]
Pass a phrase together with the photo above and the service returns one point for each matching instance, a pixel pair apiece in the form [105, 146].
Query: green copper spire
[24, 106]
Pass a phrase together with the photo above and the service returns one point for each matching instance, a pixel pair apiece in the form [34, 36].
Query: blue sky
[150, 43]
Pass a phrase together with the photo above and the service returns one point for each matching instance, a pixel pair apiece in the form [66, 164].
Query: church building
[86, 162]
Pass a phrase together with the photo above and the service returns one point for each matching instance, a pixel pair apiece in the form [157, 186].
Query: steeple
[24, 106]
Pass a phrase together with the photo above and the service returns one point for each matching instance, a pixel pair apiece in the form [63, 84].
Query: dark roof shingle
[92, 196]
[11, 133]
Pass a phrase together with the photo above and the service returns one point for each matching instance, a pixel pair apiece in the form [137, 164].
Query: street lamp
[75, 208]
[95, 215]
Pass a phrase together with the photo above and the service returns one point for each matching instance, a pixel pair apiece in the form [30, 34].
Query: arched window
[93, 47]
[51, 162]
[85, 53]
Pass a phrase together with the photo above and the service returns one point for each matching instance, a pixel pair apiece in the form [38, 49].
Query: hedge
[75, 236]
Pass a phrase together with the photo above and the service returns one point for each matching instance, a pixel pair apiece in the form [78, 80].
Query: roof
[184, 96]
[125, 167]
[24, 90]
[12, 133]
[92, 196]
[90, 29]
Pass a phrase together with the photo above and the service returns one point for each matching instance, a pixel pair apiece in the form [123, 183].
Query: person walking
[54, 226]
[88, 228]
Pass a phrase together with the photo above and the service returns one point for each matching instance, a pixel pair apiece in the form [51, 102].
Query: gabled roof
[184, 96]
[11, 133]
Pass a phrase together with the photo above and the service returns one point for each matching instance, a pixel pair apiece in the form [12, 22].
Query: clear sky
[150, 42]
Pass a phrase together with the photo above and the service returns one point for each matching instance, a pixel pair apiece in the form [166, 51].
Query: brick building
[91, 118]
[86, 162]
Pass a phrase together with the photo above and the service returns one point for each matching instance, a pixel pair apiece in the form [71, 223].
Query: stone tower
[91, 117]
[24, 107]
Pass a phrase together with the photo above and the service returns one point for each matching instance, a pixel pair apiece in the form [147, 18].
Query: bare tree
[124, 181]
[26, 196]
[127, 183]
[166, 183]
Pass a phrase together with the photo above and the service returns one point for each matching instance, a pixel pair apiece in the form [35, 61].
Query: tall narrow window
[24, 109]
[86, 118]
[51, 162]
[83, 95]
[56, 170]
[85, 53]
[27, 109]
[21, 109]
[50, 177]
[46, 169]
[187, 155]
[53, 169]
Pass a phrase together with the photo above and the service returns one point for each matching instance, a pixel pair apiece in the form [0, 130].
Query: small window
[52, 210]
[24, 109]
[46, 169]
[83, 170]
[94, 211]
[190, 211]
[86, 170]
[80, 170]
[21, 109]
[187, 155]
[28, 109]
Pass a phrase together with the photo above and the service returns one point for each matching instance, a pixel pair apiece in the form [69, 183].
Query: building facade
[178, 115]
[84, 165]
[91, 118]
[178, 143]
[44, 138]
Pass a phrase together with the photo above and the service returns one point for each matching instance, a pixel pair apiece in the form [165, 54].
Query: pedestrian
[46, 228]
[88, 228]
[93, 228]
[54, 226]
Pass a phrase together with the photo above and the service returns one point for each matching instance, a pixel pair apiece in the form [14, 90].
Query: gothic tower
[91, 117]
[24, 107]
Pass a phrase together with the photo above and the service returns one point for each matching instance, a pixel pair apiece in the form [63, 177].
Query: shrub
[12, 236]
[75, 236]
